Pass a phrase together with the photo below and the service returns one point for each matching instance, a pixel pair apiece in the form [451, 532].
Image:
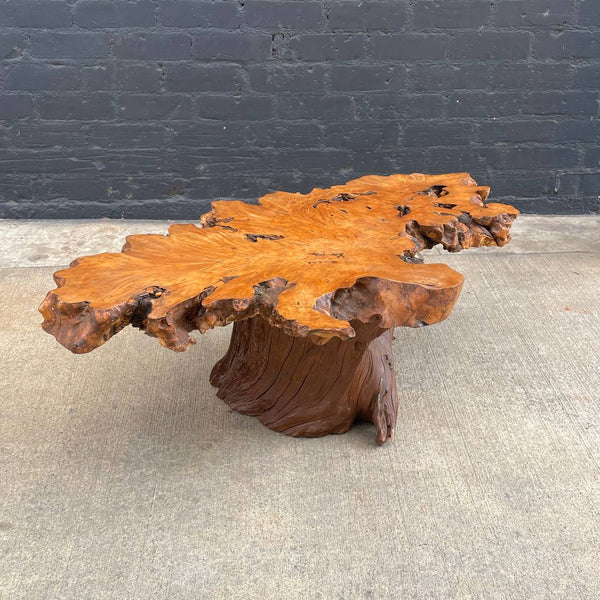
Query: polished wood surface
[335, 264]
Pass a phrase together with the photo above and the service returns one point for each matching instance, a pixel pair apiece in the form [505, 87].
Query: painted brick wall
[152, 108]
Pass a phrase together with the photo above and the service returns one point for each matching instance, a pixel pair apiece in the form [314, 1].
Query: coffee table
[314, 285]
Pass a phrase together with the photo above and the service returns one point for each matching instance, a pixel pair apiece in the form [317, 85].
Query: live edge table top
[292, 258]
[314, 284]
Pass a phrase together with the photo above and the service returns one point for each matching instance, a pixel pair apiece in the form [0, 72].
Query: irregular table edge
[80, 327]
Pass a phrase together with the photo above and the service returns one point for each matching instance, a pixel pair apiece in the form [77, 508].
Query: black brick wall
[152, 108]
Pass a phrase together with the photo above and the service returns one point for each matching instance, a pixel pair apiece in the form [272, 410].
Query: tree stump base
[299, 388]
[313, 283]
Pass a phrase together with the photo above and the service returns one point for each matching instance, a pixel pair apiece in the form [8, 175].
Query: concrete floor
[122, 476]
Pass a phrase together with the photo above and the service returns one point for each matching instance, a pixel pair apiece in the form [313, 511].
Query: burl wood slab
[314, 285]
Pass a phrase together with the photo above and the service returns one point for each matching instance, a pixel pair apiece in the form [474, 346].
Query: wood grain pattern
[336, 264]
[302, 389]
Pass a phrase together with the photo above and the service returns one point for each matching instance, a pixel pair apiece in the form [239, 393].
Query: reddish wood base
[301, 389]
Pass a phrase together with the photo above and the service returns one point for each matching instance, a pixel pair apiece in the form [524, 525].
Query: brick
[210, 134]
[382, 162]
[40, 76]
[410, 47]
[531, 184]
[315, 106]
[569, 44]
[114, 13]
[108, 188]
[328, 47]
[398, 106]
[367, 137]
[203, 78]
[73, 189]
[11, 209]
[157, 46]
[183, 209]
[451, 14]
[11, 45]
[365, 78]
[48, 164]
[539, 157]
[283, 134]
[449, 76]
[367, 16]
[12, 190]
[38, 13]
[15, 106]
[123, 76]
[526, 13]
[588, 76]
[439, 134]
[69, 45]
[561, 103]
[32, 136]
[232, 46]
[7, 14]
[589, 184]
[517, 131]
[242, 187]
[454, 158]
[190, 13]
[246, 108]
[592, 157]
[509, 183]
[586, 206]
[148, 188]
[581, 130]
[216, 163]
[320, 159]
[293, 15]
[167, 188]
[589, 13]
[536, 75]
[81, 107]
[486, 45]
[126, 135]
[126, 162]
[280, 45]
[290, 78]
[474, 104]
[141, 107]
[127, 209]
[563, 184]
[542, 205]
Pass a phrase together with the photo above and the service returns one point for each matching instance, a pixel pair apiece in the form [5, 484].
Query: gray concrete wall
[152, 108]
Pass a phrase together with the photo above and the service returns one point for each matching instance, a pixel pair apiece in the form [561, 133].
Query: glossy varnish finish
[314, 282]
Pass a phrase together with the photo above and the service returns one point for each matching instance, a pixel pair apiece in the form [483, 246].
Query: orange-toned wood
[315, 277]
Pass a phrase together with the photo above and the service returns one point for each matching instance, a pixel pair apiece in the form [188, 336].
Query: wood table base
[298, 388]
